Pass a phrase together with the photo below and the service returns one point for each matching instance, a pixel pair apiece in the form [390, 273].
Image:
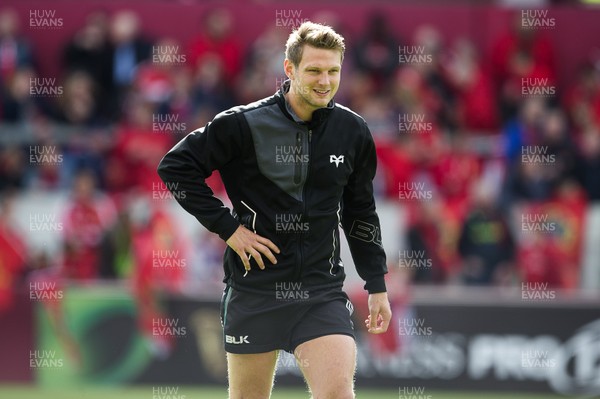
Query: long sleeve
[360, 220]
[185, 168]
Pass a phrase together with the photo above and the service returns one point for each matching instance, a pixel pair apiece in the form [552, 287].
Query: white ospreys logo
[336, 160]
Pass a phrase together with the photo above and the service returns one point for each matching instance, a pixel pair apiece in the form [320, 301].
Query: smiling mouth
[321, 92]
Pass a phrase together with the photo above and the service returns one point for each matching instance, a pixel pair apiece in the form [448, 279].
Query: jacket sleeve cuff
[227, 226]
[376, 285]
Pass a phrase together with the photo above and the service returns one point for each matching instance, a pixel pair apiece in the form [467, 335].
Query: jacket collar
[318, 116]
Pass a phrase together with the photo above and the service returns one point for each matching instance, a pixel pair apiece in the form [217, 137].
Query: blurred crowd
[493, 162]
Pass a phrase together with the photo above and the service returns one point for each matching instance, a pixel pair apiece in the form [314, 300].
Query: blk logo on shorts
[242, 339]
[337, 160]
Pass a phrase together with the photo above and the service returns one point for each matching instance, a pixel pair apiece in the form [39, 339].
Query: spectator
[428, 40]
[89, 141]
[137, 150]
[17, 103]
[218, 42]
[129, 49]
[15, 51]
[12, 252]
[476, 104]
[376, 53]
[210, 92]
[88, 216]
[78, 106]
[263, 71]
[590, 165]
[528, 181]
[160, 257]
[12, 169]
[89, 52]
[583, 99]
[433, 233]
[526, 128]
[550, 247]
[520, 53]
[557, 142]
[456, 170]
[486, 244]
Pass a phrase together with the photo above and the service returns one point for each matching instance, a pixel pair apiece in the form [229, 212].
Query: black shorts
[258, 323]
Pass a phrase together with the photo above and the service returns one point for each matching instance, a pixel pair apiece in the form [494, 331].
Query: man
[295, 165]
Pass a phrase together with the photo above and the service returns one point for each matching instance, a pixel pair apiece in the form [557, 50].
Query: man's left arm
[362, 229]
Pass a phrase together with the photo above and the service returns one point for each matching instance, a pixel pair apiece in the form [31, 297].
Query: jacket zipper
[301, 239]
[298, 165]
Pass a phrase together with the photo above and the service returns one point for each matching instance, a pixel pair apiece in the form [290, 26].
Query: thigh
[251, 375]
[328, 364]
[254, 323]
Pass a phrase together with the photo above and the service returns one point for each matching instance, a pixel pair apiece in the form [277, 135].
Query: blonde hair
[313, 34]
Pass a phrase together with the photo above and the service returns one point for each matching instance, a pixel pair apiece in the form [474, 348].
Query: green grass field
[28, 392]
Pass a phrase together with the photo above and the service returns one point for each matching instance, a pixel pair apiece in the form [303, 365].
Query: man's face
[316, 79]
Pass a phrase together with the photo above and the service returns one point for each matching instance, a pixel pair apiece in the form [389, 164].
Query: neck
[295, 103]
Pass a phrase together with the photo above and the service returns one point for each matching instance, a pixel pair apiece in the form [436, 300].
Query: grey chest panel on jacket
[282, 148]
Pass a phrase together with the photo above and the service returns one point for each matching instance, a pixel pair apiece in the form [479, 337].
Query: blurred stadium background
[487, 120]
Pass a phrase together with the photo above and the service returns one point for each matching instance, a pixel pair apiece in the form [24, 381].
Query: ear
[289, 69]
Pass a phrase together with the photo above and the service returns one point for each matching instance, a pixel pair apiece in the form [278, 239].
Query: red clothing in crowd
[584, 103]
[396, 164]
[12, 262]
[161, 265]
[85, 222]
[455, 173]
[137, 152]
[227, 50]
[538, 47]
[553, 256]
[477, 104]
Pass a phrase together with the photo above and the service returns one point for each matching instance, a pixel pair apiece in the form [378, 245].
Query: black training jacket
[289, 181]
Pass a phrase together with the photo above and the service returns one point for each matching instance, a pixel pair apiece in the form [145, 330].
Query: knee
[344, 392]
[250, 393]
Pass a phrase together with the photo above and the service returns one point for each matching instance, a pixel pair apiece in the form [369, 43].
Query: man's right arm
[185, 168]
